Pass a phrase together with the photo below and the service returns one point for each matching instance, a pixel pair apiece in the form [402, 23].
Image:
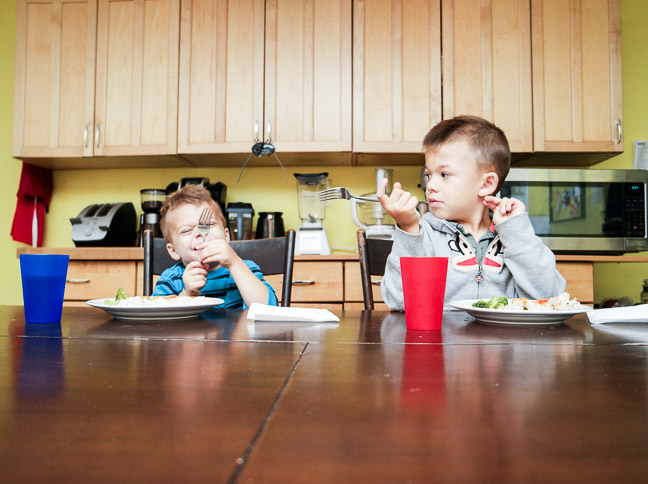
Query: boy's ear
[172, 252]
[227, 237]
[489, 184]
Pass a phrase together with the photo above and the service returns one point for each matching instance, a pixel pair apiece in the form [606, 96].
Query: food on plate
[120, 296]
[157, 301]
[496, 302]
[562, 302]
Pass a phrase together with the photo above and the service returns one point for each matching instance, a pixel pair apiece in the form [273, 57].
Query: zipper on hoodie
[479, 278]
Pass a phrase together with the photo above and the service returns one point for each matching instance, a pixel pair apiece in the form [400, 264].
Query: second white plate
[517, 318]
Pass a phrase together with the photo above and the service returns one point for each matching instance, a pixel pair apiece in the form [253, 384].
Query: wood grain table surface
[223, 399]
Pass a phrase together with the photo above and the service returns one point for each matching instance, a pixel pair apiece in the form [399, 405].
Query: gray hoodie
[516, 264]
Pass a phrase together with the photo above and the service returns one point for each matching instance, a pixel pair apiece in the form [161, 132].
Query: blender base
[312, 241]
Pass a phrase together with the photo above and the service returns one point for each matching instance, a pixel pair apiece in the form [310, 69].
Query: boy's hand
[195, 277]
[504, 208]
[401, 205]
[217, 251]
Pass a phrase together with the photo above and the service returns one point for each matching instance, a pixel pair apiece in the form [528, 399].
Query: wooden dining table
[224, 399]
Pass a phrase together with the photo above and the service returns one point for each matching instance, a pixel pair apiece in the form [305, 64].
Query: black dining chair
[273, 256]
[373, 258]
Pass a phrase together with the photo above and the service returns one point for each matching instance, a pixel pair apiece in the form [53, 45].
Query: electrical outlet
[640, 154]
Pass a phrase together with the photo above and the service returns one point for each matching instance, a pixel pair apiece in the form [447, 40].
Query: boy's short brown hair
[192, 195]
[487, 141]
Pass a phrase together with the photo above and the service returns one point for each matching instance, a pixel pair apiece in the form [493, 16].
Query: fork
[341, 192]
[204, 222]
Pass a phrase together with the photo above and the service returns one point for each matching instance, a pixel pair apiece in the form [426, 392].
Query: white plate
[156, 313]
[517, 318]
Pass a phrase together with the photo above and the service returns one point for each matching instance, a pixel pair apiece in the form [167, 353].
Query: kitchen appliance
[105, 225]
[370, 216]
[218, 190]
[584, 210]
[269, 225]
[151, 199]
[239, 217]
[311, 236]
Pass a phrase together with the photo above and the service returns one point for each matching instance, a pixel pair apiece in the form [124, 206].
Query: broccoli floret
[121, 294]
[481, 304]
[497, 302]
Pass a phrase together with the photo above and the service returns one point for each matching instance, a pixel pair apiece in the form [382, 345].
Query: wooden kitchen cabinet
[487, 65]
[279, 65]
[576, 48]
[137, 77]
[396, 74]
[97, 279]
[54, 78]
[96, 78]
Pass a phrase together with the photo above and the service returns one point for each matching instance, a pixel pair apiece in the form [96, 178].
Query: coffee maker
[151, 199]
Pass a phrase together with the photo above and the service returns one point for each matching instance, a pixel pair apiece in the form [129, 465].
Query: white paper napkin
[627, 314]
[263, 312]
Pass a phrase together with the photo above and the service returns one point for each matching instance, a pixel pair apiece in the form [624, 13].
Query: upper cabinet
[137, 77]
[109, 79]
[54, 78]
[274, 69]
[96, 78]
[396, 74]
[487, 65]
[577, 75]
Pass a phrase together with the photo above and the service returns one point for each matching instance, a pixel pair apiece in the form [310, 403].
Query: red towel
[34, 195]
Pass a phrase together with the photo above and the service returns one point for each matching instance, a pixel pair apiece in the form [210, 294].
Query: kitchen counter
[222, 399]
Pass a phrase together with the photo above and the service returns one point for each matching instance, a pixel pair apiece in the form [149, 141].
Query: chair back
[373, 255]
[273, 256]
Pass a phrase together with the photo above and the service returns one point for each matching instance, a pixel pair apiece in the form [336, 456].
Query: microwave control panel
[634, 210]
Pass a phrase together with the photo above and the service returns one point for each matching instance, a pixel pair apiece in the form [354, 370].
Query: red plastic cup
[424, 281]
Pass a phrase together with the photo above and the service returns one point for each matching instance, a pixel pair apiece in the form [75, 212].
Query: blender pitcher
[311, 236]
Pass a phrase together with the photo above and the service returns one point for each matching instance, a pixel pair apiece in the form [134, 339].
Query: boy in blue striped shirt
[209, 266]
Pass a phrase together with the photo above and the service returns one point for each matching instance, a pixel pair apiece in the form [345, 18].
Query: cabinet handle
[85, 136]
[269, 132]
[619, 131]
[303, 283]
[78, 281]
[97, 132]
[256, 131]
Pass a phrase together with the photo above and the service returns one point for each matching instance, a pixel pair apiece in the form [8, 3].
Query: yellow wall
[265, 187]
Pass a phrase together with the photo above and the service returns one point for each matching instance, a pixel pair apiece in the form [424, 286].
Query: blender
[370, 216]
[311, 236]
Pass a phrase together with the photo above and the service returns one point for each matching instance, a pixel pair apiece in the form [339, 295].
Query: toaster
[105, 225]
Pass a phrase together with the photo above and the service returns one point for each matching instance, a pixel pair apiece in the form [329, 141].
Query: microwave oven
[585, 211]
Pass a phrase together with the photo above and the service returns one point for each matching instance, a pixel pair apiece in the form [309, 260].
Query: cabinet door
[576, 48]
[396, 74]
[308, 74]
[487, 65]
[137, 77]
[221, 75]
[54, 78]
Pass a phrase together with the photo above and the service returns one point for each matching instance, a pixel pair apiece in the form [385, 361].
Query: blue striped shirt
[220, 284]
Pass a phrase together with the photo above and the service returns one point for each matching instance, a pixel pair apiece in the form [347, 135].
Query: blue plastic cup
[43, 284]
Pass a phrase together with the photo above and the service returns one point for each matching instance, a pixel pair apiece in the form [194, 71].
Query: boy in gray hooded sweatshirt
[466, 161]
